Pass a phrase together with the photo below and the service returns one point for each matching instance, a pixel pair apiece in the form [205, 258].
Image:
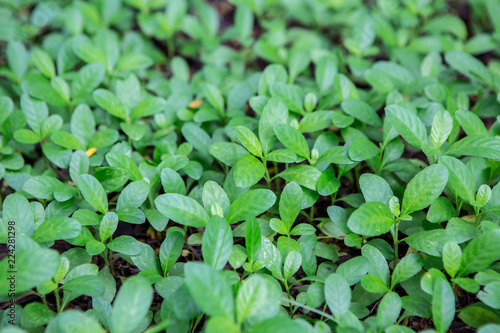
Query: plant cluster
[249, 166]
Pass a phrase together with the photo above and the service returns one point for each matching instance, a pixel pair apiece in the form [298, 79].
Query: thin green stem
[396, 243]
[44, 300]
[195, 324]
[308, 308]
[58, 300]
[292, 310]
[160, 327]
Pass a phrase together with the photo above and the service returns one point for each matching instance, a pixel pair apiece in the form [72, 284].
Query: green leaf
[388, 310]
[489, 295]
[468, 65]
[408, 267]
[26, 136]
[249, 140]
[476, 145]
[293, 140]
[108, 226]
[361, 111]
[471, 123]
[66, 140]
[34, 266]
[89, 285]
[112, 179]
[17, 58]
[94, 247]
[271, 257]
[79, 165]
[227, 152]
[56, 228]
[133, 195]
[41, 186]
[337, 294]
[93, 192]
[36, 314]
[375, 188]
[250, 204]
[120, 160]
[452, 258]
[315, 121]
[17, 208]
[430, 241]
[244, 22]
[408, 125]
[353, 269]
[336, 155]
[214, 97]
[182, 209]
[373, 284]
[83, 124]
[131, 304]
[304, 175]
[109, 102]
[443, 305]
[442, 125]
[281, 156]
[134, 131]
[170, 250]
[460, 178]
[43, 62]
[379, 80]
[424, 188]
[213, 193]
[481, 252]
[87, 79]
[378, 263]
[291, 95]
[290, 204]
[255, 297]
[274, 113]
[371, 219]
[441, 210]
[292, 264]
[253, 239]
[209, 289]
[362, 149]
[217, 242]
[35, 112]
[126, 245]
[74, 321]
[297, 62]
[248, 171]
[196, 136]
[149, 106]
[172, 182]
[327, 183]
[478, 314]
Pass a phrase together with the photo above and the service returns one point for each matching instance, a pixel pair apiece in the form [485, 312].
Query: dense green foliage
[249, 166]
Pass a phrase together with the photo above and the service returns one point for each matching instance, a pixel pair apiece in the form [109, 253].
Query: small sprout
[394, 206]
[294, 123]
[483, 195]
[216, 209]
[310, 102]
[314, 155]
